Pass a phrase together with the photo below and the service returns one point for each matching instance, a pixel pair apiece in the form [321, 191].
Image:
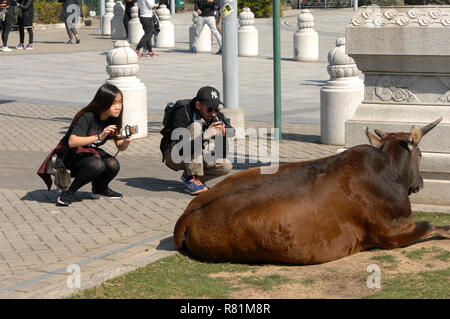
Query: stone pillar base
[237, 121]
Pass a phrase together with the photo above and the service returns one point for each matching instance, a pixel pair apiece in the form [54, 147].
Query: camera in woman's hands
[125, 132]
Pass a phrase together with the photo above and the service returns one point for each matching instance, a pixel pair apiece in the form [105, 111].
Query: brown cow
[313, 212]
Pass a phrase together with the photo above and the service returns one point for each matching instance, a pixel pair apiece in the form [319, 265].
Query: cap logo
[214, 95]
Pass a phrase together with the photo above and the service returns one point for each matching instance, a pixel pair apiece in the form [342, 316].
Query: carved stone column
[247, 34]
[117, 28]
[135, 30]
[306, 39]
[405, 57]
[107, 17]
[340, 96]
[166, 36]
[122, 68]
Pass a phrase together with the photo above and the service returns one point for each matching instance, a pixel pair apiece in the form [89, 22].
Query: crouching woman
[80, 148]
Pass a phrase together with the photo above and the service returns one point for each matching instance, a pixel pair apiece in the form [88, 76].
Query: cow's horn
[379, 132]
[424, 130]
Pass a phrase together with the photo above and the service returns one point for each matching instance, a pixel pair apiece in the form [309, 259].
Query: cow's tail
[179, 231]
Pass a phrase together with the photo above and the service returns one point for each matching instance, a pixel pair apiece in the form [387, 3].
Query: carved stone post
[306, 39]
[117, 28]
[340, 96]
[135, 30]
[247, 34]
[107, 17]
[122, 68]
[166, 36]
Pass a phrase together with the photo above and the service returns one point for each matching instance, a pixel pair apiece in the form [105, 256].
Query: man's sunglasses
[212, 109]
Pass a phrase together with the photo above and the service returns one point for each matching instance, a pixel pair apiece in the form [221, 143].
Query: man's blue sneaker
[219, 52]
[193, 186]
[194, 50]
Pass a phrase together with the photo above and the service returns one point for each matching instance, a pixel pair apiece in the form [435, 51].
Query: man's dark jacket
[183, 117]
[208, 8]
[26, 16]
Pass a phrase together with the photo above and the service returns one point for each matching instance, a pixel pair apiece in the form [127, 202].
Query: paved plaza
[41, 91]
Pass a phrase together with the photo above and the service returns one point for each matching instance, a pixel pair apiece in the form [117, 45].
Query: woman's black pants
[6, 27]
[100, 171]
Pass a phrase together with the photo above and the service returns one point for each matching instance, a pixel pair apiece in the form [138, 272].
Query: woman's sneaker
[20, 46]
[29, 47]
[108, 193]
[193, 186]
[66, 199]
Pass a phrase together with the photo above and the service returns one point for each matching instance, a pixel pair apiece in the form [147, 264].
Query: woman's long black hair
[102, 101]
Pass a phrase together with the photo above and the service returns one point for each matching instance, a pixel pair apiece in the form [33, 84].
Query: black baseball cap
[209, 96]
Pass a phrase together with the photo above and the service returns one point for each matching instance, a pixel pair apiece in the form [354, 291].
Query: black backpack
[168, 122]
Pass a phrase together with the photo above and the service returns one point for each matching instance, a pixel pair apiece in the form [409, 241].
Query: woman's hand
[109, 130]
[122, 145]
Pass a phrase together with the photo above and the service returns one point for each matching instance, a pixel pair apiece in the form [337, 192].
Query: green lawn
[180, 276]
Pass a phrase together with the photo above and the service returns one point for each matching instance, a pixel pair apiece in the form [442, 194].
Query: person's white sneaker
[5, 49]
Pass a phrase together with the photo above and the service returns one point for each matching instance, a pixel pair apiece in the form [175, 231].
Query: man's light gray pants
[211, 22]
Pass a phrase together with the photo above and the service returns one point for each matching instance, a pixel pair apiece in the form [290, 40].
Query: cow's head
[398, 144]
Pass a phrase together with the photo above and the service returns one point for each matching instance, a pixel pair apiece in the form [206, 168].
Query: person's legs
[216, 169]
[211, 22]
[146, 25]
[126, 19]
[198, 31]
[6, 27]
[85, 170]
[149, 39]
[112, 167]
[69, 31]
[193, 166]
[21, 34]
[30, 35]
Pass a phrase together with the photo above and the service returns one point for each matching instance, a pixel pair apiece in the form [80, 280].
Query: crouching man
[194, 139]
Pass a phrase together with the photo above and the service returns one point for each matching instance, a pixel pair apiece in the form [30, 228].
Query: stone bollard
[306, 40]
[107, 17]
[340, 96]
[204, 41]
[166, 36]
[122, 68]
[247, 34]
[117, 28]
[135, 30]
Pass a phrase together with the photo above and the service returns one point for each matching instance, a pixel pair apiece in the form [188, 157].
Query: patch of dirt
[346, 277]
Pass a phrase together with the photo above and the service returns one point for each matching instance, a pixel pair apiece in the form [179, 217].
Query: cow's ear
[414, 137]
[373, 139]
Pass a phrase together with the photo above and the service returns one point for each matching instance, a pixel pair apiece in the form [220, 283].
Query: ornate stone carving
[393, 94]
[379, 17]
[340, 64]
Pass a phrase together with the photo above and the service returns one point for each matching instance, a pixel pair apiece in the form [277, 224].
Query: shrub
[47, 12]
[260, 8]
